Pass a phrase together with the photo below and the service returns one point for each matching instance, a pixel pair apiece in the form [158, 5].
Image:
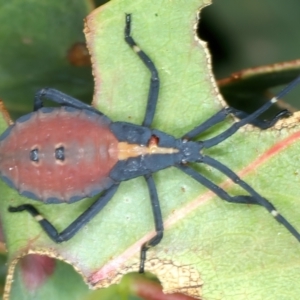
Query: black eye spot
[60, 153]
[34, 155]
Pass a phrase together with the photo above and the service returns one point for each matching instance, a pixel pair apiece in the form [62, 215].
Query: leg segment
[74, 227]
[159, 227]
[250, 118]
[60, 98]
[215, 119]
[216, 189]
[223, 113]
[263, 124]
[254, 195]
[154, 81]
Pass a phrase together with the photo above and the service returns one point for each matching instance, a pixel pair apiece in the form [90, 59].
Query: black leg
[250, 118]
[74, 227]
[216, 189]
[159, 227]
[223, 113]
[215, 119]
[258, 198]
[60, 98]
[154, 81]
[263, 124]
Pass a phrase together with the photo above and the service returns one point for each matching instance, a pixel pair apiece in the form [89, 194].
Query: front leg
[154, 80]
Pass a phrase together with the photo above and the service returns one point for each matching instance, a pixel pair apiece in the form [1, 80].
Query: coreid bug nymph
[64, 154]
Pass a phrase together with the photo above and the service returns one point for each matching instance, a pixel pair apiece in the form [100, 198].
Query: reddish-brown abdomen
[90, 152]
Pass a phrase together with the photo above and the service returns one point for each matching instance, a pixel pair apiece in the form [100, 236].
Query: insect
[65, 154]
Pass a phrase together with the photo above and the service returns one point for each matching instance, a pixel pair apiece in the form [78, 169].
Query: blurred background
[253, 34]
[250, 33]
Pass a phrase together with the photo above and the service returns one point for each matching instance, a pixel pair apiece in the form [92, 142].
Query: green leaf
[210, 248]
